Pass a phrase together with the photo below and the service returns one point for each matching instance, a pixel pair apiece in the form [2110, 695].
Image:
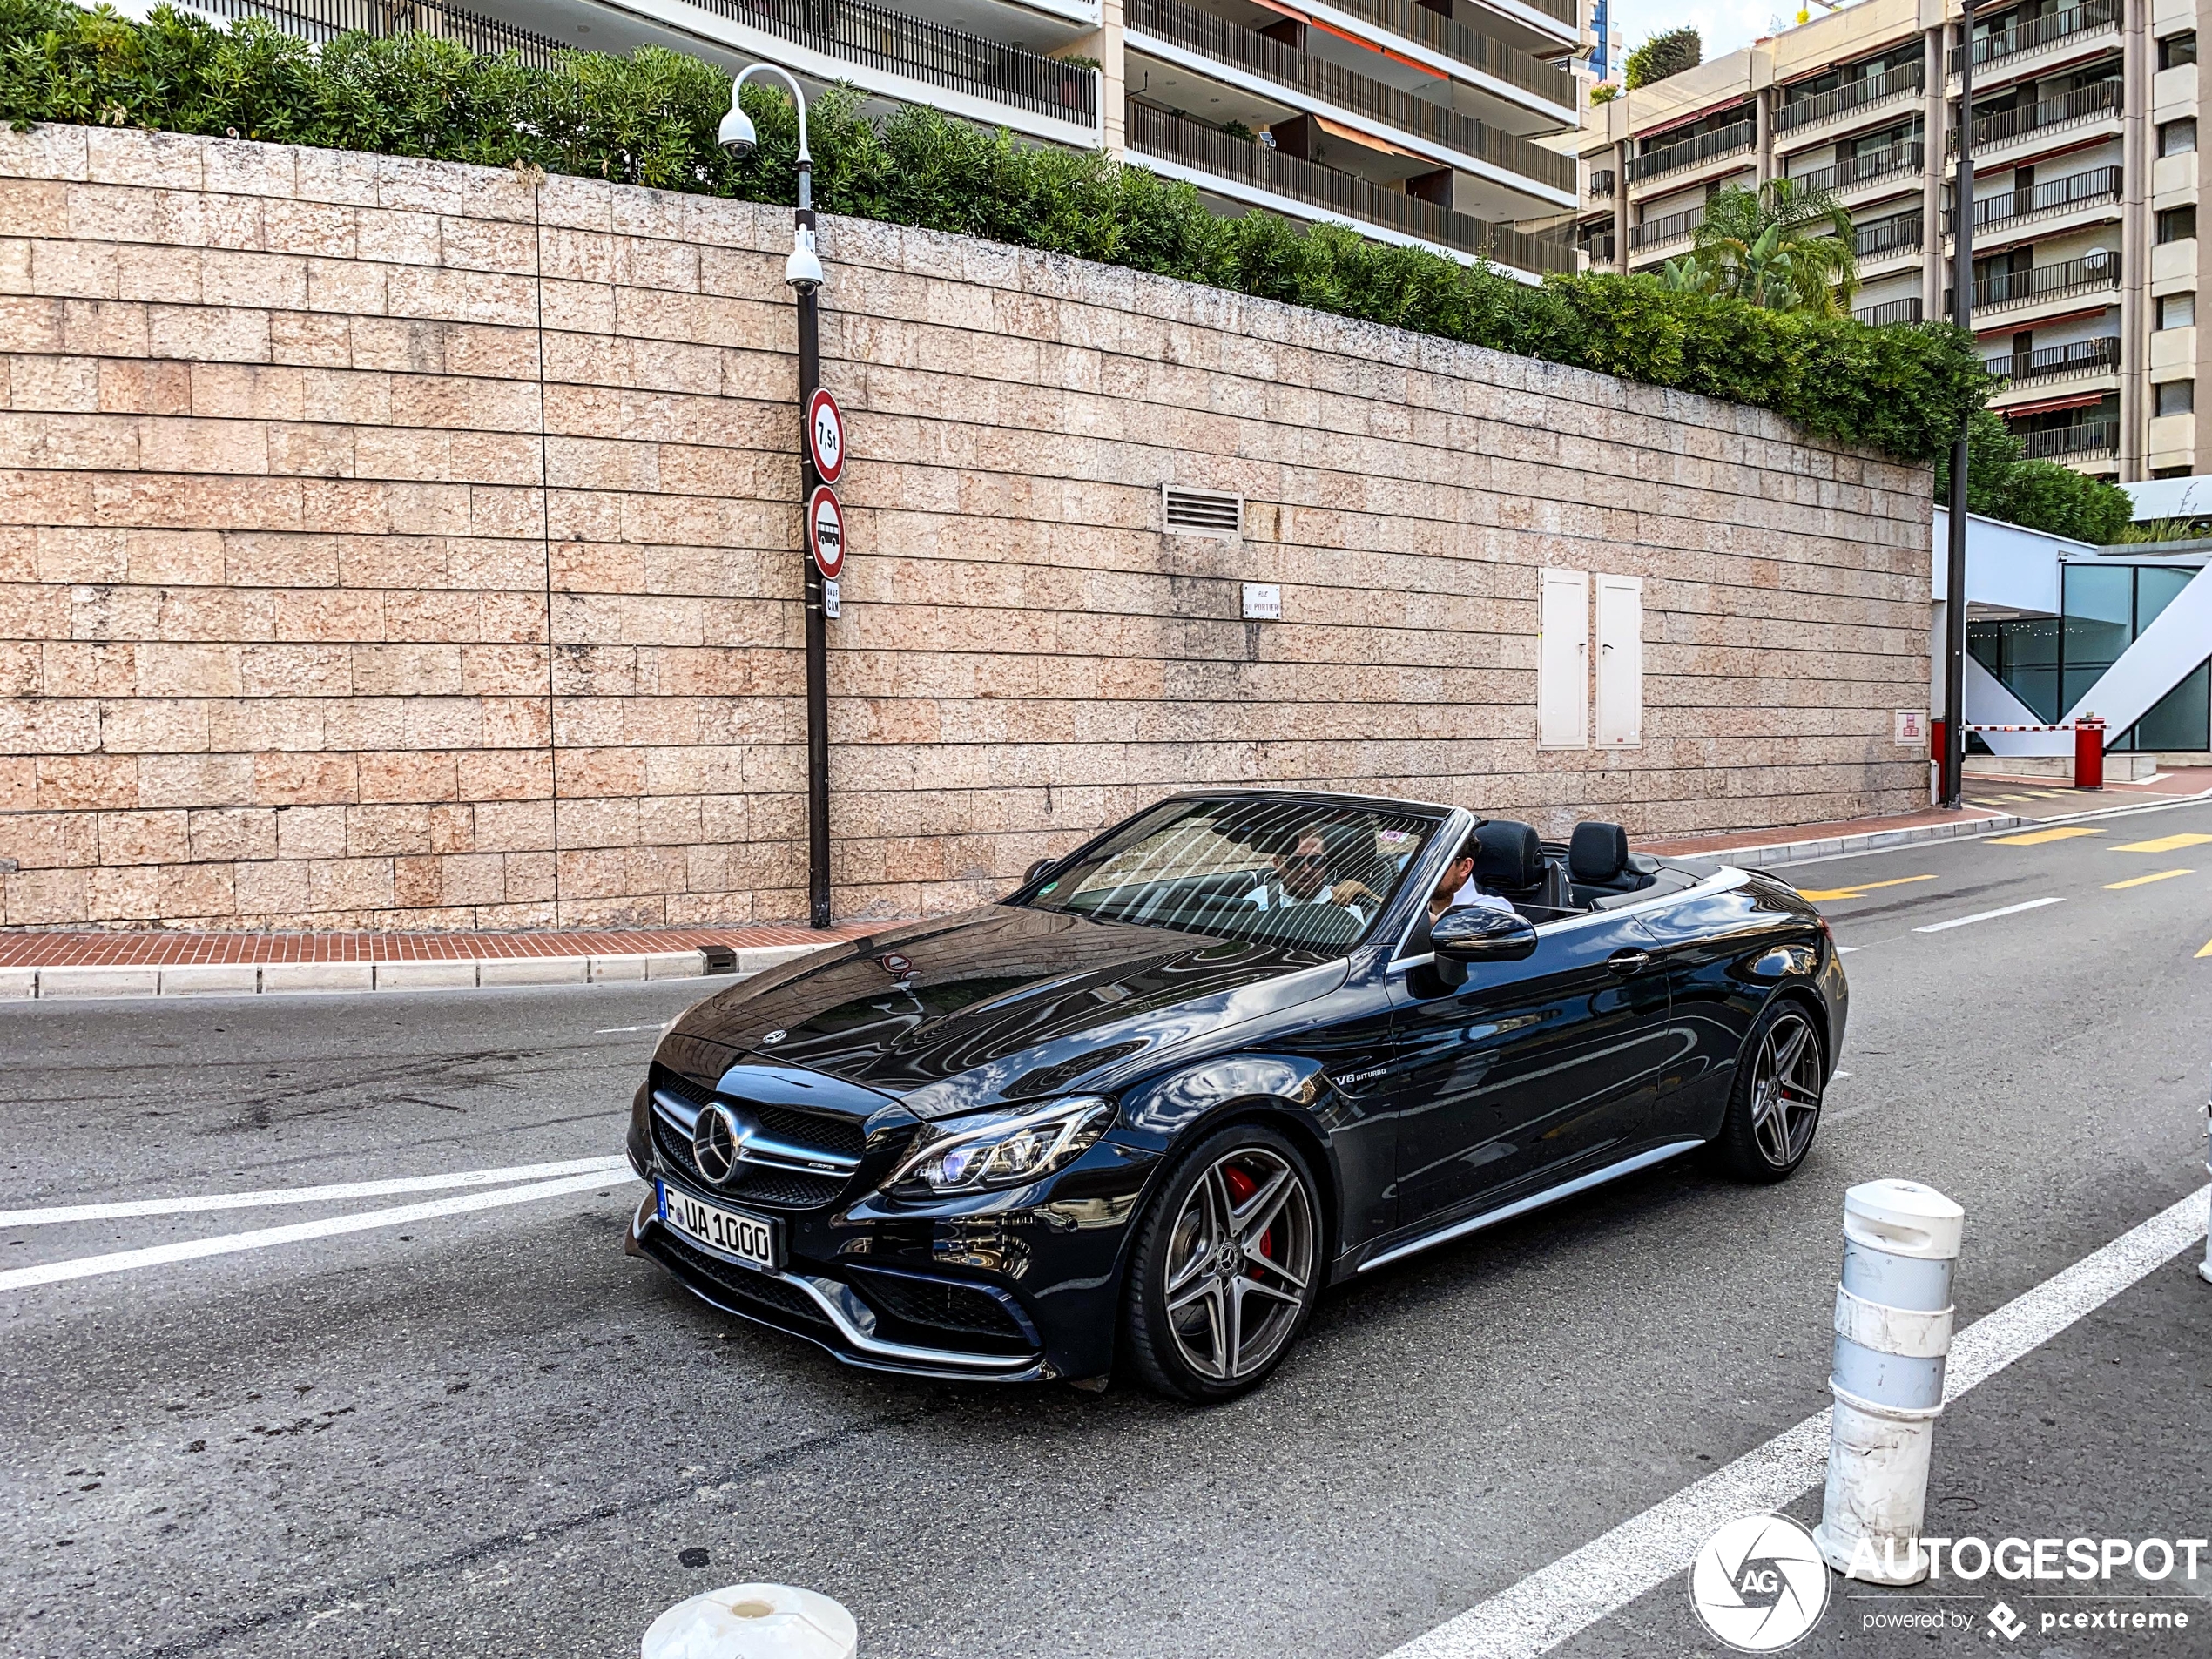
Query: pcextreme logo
[1759, 1584]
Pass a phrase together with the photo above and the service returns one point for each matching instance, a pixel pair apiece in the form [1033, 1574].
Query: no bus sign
[825, 531]
[826, 436]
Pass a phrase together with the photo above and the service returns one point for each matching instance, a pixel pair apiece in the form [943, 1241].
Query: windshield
[1279, 871]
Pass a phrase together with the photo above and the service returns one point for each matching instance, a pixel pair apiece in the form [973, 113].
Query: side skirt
[1536, 1201]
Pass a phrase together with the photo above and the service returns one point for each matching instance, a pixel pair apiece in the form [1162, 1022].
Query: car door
[1526, 1073]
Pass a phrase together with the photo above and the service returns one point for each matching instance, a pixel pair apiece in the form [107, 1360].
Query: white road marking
[617, 1030]
[188, 1249]
[1986, 915]
[1845, 950]
[125, 1207]
[1577, 1591]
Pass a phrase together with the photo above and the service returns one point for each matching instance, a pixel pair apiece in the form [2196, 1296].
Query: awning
[1295, 15]
[1352, 135]
[2080, 400]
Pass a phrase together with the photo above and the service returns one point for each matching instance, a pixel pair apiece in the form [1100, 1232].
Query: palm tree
[1781, 247]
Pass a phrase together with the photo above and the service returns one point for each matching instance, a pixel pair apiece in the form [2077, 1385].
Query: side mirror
[1479, 933]
[1037, 869]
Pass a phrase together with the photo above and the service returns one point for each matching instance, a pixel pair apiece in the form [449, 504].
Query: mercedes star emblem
[714, 1143]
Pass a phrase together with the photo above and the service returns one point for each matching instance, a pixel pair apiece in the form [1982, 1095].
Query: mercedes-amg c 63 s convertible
[1246, 1045]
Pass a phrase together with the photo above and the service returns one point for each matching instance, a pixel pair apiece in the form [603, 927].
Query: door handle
[1629, 962]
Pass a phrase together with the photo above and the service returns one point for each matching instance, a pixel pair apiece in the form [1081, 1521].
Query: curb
[284, 979]
[1753, 857]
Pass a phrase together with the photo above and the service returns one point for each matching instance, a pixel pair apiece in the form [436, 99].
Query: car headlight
[1005, 1149]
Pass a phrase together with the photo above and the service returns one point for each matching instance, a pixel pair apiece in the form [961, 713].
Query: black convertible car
[1242, 1046]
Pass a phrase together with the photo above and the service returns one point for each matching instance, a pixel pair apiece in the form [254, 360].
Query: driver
[1312, 872]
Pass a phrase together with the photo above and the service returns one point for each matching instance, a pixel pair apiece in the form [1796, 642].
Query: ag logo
[1759, 1584]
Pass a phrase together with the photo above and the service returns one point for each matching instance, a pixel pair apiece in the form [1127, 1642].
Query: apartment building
[1414, 121]
[2085, 250]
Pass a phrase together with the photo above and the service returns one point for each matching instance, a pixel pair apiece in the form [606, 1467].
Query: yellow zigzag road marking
[2036, 838]
[1820, 894]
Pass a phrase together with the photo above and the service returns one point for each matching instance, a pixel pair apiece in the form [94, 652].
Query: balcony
[1691, 153]
[1600, 248]
[2000, 127]
[1655, 233]
[1468, 46]
[2057, 362]
[1601, 184]
[2048, 30]
[1210, 37]
[1865, 168]
[2086, 441]
[1887, 236]
[321, 20]
[2006, 289]
[1340, 196]
[2075, 190]
[1864, 93]
[1892, 311]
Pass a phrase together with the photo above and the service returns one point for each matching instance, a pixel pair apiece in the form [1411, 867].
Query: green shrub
[651, 118]
[2001, 482]
[1663, 54]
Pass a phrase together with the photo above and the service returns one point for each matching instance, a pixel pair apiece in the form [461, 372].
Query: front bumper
[1013, 1294]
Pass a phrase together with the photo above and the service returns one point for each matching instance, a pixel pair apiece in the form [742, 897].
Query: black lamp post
[803, 273]
[1953, 787]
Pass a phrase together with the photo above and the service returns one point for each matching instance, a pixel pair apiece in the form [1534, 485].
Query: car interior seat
[1510, 862]
[1600, 865]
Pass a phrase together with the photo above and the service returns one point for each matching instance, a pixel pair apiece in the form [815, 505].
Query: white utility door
[1620, 662]
[1563, 661]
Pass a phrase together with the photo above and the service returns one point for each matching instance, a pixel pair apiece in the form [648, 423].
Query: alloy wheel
[1240, 1261]
[1785, 1091]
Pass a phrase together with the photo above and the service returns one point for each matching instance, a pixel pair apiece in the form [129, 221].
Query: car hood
[1000, 1005]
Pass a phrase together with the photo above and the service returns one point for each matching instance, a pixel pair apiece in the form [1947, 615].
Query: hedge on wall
[651, 118]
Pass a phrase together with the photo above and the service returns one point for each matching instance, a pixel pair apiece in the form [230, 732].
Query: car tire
[1226, 1267]
[1774, 1105]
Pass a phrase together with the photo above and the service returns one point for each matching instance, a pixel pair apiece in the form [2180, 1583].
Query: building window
[2177, 311]
[2177, 225]
[2177, 49]
[2177, 137]
[2176, 397]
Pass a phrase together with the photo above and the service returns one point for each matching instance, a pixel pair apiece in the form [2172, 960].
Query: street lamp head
[737, 135]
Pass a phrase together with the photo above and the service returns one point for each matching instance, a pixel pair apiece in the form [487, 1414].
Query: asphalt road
[492, 1433]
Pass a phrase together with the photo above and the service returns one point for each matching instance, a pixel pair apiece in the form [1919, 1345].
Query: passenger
[1458, 886]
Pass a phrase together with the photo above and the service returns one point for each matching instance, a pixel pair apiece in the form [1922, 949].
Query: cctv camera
[737, 135]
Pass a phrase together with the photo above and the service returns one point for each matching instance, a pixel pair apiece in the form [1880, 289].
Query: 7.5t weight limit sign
[826, 436]
[825, 531]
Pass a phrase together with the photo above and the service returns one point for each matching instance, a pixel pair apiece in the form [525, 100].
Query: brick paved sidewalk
[178, 949]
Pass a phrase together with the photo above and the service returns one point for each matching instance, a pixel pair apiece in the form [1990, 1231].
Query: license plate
[755, 1240]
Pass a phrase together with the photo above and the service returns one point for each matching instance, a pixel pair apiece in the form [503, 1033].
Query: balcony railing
[320, 20]
[1707, 146]
[923, 51]
[1565, 11]
[1887, 235]
[1872, 89]
[1889, 311]
[2086, 274]
[2083, 103]
[1674, 226]
[2053, 25]
[1470, 46]
[2075, 190]
[1600, 184]
[1600, 248]
[1863, 169]
[1154, 132]
[1228, 43]
[2057, 362]
[2071, 443]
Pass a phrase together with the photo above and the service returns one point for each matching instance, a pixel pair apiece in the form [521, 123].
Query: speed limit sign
[826, 436]
[825, 531]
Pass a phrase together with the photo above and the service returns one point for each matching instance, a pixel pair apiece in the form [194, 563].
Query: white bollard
[1892, 1335]
[753, 1621]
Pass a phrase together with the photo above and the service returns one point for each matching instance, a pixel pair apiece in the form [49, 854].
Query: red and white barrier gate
[2088, 745]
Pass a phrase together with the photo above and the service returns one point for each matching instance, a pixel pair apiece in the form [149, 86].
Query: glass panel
[2026, 654]
[2100, 608]
[1282, 872]
[2178, 720]
[2156, 587]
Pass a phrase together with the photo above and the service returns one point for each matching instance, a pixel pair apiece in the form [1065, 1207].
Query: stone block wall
[403, 545]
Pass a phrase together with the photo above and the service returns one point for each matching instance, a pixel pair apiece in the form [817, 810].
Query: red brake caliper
[1241, 1187]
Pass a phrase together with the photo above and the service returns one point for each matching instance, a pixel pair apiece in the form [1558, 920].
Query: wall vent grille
[1203, 512]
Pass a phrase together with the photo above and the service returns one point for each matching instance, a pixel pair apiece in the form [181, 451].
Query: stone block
[97, 981]
[211, 979]
[279, 979]
[534, 970]
[425, 975]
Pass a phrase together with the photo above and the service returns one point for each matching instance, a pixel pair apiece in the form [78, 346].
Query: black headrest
[1597, 853]
[1511, 854]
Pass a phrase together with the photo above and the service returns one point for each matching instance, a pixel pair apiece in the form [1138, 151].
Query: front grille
[928, 1309]
[785, 1189]
[771, 1298]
